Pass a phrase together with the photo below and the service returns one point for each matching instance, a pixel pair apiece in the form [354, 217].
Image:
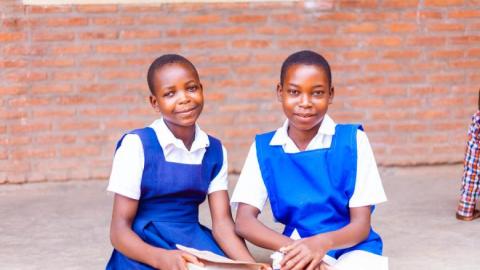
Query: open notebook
[213, 261]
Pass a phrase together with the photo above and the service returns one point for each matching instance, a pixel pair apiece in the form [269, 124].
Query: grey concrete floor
[65, 225]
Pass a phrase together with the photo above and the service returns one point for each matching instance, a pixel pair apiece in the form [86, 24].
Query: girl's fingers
[301, 264]
[292, 253]
[314, 264]
[289, 247]
[191, 259]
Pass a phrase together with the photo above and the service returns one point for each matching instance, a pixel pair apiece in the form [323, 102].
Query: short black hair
[306, 57]
[165, 60]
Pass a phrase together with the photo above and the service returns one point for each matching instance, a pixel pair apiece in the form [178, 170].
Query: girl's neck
[302, 138]
[185, 134]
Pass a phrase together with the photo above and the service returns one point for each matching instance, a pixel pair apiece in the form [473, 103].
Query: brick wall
[72, 78]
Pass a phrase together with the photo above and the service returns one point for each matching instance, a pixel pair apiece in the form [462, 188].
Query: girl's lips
[187, 110]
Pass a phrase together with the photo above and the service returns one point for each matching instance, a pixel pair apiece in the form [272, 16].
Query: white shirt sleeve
[220, 182]
[250, 188]
[127, 168]
[368, 185]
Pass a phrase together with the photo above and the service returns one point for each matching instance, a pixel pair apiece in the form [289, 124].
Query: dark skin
[178, 96]
[305, 95]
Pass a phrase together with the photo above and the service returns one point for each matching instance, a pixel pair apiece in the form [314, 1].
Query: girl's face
[178, 95]
[305, 95]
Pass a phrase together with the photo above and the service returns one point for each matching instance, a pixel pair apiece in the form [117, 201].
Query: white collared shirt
[128, 163]
[250, 188]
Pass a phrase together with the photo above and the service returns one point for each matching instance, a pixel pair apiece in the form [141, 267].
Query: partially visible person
[470, 190]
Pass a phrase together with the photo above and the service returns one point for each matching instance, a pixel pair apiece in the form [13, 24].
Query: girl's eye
[318, 93]
[192, 88]
[292, 92]
[169, 94]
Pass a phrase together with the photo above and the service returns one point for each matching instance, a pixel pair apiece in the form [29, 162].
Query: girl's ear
[154, 102]
[332, 94]
[279, 92]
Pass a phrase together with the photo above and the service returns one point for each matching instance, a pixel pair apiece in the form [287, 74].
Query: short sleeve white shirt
[250, 188]
[129, 160]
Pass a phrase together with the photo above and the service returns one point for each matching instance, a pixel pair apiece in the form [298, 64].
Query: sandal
[476, 214]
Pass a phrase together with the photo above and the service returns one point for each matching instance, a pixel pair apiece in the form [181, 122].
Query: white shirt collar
[326, 129]
[167, 139]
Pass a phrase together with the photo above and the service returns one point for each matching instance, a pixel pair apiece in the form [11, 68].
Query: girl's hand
[306, 253]
[174, 260]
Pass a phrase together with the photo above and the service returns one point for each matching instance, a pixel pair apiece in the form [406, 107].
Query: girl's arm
[125, 240]
[249, 227]
[223, 228]
[307, 253]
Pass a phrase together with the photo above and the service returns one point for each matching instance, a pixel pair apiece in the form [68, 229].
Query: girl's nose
[183, 97]
[305, 101]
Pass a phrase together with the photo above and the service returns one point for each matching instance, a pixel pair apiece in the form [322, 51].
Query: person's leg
[471, 174]
[361, 260]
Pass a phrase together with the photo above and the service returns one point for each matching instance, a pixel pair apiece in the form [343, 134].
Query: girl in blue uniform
[160, 175]
[320, 177]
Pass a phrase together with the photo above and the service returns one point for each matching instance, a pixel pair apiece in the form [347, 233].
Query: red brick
[338, 16]
[158, 20]
[75, 100]
[185, 32]
[13, 63]
[212, 44]
[201, 19]
[286, 18]
[430, 41]
[53, 36]
[105, 63]
[32, 153]
[79, 151]
[422, 14]
[388, 91]
[398, 27]
[29, 128]
[11, 36]
[446, 27]
[140, 34]
[381, 16]
[464, 14]
[447, 54]
[79, 125]
[24, 50]
[121, 74]
[51, 88]
[161, 47]
[390, 115]
[383, 66]
[465, 40]
[466, 64]
[28, 101]
[54, 62]
[403, 103]
[385, 41]
[227, 30]
[277, 30]
[65, 22]
[56, 139]
[115, 48]
[117, 20]
[49, 113]
[400, 3]
[71, 49]
[73, 75]
[446, 78]
[96, 8]
[367, 103]
[251, 44]
[357, 3]
[91, 35]
[365, 27]
[442, 3]
[11, 114]
[401, 54]
[354, 54]
[247, 18]
[49, 9]
[12, 90]
[125, 124]
[414, 78]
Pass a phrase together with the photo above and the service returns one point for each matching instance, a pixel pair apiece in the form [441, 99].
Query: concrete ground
[65, 225]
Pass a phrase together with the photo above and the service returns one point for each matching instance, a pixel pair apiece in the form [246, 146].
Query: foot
[476, 214]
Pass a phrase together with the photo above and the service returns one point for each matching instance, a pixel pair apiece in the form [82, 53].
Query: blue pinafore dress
[309, 191]
[170, 195]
